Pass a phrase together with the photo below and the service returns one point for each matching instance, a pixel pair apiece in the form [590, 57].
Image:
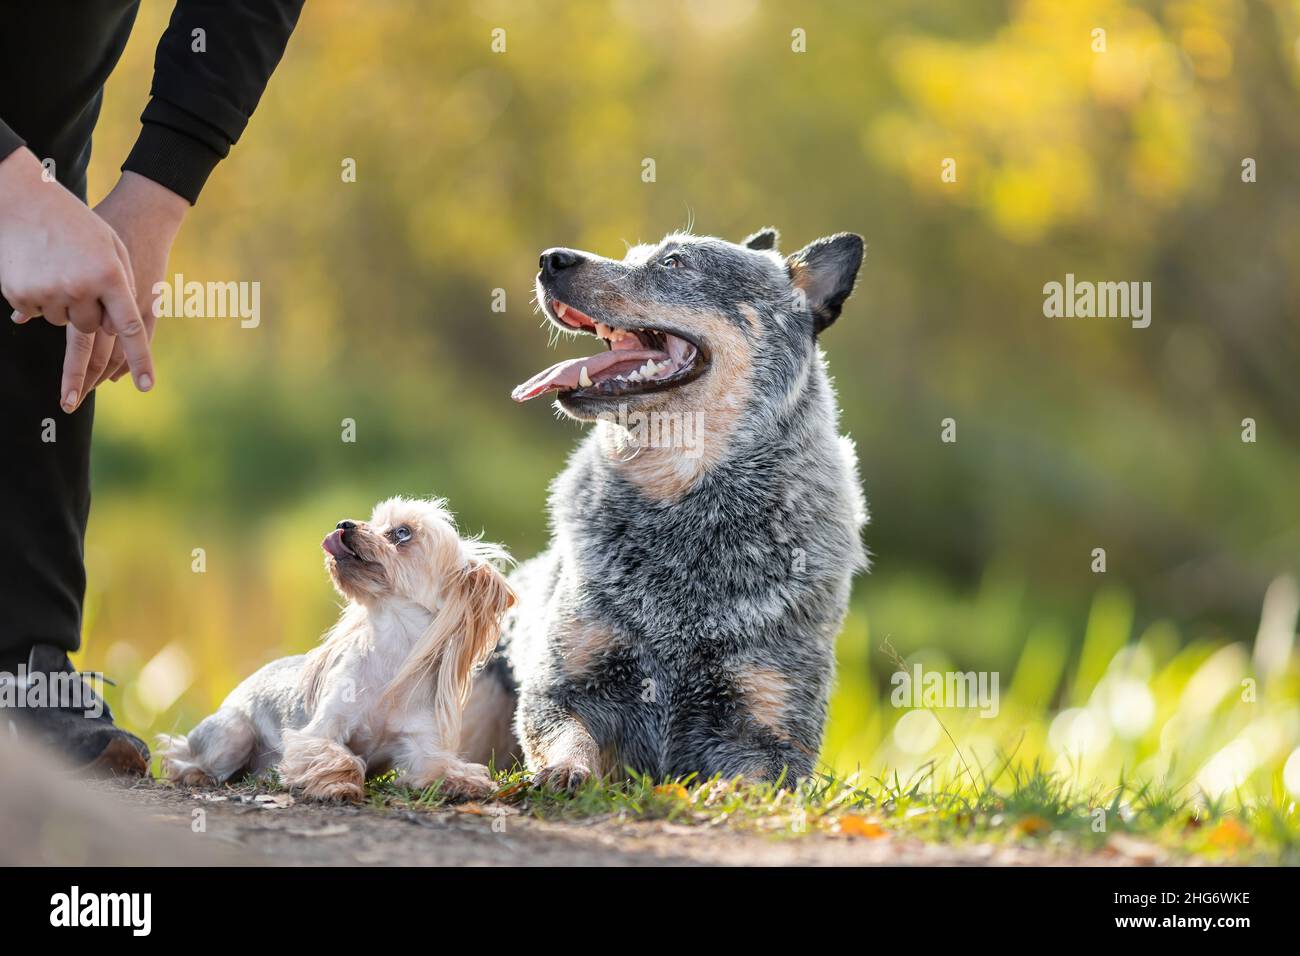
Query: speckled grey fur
[747, 572]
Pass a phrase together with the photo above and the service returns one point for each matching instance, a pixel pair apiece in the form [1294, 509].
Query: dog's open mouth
[336, 547]
[636, 361]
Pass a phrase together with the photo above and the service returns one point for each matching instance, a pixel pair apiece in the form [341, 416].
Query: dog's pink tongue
[560, 375]
[333, 544]
[563, 376]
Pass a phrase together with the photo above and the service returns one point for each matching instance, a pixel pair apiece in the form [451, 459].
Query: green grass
[1204, 772]
[1136, 741]
[1010, 804]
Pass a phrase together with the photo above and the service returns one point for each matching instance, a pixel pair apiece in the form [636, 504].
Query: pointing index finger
[122, 317]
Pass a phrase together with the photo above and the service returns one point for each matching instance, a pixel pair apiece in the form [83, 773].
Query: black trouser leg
[44, 493]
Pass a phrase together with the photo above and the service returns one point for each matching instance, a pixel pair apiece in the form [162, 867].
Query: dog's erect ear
[765, 238]
[824, 271]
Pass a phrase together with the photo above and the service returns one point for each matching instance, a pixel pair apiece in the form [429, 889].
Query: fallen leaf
[1031, 826]
[1229, 835]
[274, 801]
[672, 789]
[855, 825]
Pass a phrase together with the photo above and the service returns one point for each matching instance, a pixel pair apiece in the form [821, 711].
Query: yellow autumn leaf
[1031, 826]
[672, 790]
[1229, 835]
[855, 825]
[513, 789]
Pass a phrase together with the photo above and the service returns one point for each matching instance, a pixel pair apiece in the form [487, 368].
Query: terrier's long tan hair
[460, 582]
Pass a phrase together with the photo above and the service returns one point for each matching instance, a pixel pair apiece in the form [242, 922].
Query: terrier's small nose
[346, 525]
[556, 260]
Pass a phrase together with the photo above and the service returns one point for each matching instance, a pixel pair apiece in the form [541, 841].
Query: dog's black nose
[555, 260]
[346, 525]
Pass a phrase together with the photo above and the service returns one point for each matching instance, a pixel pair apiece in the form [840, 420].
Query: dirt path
[269, 828]
[47, 816]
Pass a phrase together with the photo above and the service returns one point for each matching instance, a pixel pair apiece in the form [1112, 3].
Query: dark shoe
[57, 707]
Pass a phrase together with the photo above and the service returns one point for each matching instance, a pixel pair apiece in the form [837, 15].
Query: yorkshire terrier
[386, 687]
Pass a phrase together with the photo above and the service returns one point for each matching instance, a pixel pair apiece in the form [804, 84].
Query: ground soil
[50, 816]
[271, 828]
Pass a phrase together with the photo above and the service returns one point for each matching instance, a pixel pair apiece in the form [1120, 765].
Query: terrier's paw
[321, 769]
[335, 791]
[565, 776]
[189, 777]
[460, 781]
[470, 781]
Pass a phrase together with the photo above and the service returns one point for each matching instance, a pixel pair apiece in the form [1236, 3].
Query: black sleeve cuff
[9, 141]
[172, 159]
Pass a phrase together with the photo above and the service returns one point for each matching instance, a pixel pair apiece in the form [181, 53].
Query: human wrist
[145, 199]
[19, 172]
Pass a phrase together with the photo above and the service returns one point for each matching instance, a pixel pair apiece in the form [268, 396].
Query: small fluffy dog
[386, 686]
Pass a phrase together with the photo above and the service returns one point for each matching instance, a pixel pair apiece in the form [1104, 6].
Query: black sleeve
[9, 140]
[202, 99]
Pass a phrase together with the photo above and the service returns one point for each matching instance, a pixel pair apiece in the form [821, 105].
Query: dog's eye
[671, 261]
[400, 535]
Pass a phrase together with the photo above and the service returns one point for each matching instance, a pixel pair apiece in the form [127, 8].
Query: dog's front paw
[335, 791]
[563, 776]
[321, 769]
[471, 781]
[189, 777]
[460, 781]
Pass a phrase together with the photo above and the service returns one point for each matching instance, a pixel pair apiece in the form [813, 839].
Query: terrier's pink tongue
[334, 545]
[563, 376]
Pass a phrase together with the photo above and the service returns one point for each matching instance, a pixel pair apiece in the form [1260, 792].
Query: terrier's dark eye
[400, 535]
[671, 261]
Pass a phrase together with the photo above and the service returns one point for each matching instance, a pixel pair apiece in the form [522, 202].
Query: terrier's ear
[459, 639]
[823, 272]
[765, 238]
[487, 597]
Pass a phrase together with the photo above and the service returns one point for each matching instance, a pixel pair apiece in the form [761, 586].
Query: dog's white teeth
[583, 378]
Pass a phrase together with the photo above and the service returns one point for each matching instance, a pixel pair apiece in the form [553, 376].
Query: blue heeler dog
[705, 533]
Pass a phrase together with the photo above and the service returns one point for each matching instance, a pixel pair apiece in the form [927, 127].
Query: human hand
[61, 261]
[146, 217]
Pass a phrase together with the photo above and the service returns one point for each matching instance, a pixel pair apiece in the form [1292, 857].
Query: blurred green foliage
[1072, 434]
